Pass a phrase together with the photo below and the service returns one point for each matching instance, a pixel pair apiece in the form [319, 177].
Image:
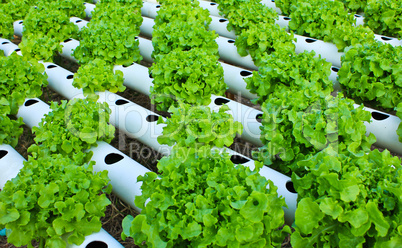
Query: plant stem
[42, 243]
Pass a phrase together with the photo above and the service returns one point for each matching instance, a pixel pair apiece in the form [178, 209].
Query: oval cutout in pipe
[3, 153]
[231, 41]
[70, 76]
[335, 69]
[386, 38]
[97, 244]
[379, 116]
[152, 118]
[290, 187]
[245, 73]
[259, 118]
[121, 102]
[220, 101]
[6, 42]
[308, 40]
[30, 102]
[287, 18]
[223, 20]
[236, 159]
[51, 66]
[112, 158]
[69, 39]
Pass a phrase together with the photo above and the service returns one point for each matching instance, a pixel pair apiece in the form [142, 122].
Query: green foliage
[384, 17]
[184, 36]
[10, 130]
[50, 197]
[185, 11]
[97, 76]
[17, 9]
[44, 29]
[245, 14]
[318, 19]
[196, 126]
[71, 128]
[203, 200]
[372, 72]
[348, 201]
[348, 35]
[19, 79]
[299, 124]
[262, 39]
[6, 25]
[281, 71]
[191, 76]
[399, 114]
[128, 14]
[108, 41]
[68, 7]
[354, 5]
[286, 5]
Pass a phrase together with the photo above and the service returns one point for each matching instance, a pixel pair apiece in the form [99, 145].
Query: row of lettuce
[56, 197]
[383, 17]
[348, 195]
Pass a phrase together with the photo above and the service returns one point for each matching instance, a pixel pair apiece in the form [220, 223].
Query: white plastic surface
[211, 7]
[234, 78]
[219, 25]
[99, 239]
[146, 49]
[146, 27]
[228, 53]
[18, 27]
[8, 47]
[136, 77]
[80, 23]
[89, 7]
[122, 174]
[68, 46]
[150, 9]
[32, 111]
[11, 162]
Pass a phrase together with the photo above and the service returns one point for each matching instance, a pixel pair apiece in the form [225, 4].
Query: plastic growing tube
[234, 78]
[219, 25]
[271, 4]
[150, 9]
[18, 27]
[32, 111]
[228, 53]
[68, 47]
[79, 22]
[11, 162]
[101, 239]
[8, 47]
[122, 171]
[136, 77]
[384, 127]
[211, 7]
[146, 49]
[146, 27]
[89, 7]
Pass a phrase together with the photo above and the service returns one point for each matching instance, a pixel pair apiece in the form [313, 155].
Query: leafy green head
[196, 126]
[53, 197]
[73, 127]
[201, 199]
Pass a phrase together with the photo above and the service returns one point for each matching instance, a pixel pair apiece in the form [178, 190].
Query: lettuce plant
[197, 126]
[53, 197]
[10, 130]
[384, 17]
[203, 200]
[354, 5]
[191, 76]
[288, 71]
[372, 72]
[71, 128]
[348, 201]
[6, 25]
[103, 79]
[19, 79]
[298, 124]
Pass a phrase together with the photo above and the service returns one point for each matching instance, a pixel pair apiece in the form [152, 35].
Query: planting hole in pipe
[335, 69]
[97, 244]
[6, 42]
[290, 187]
[308, 40]
[17, 50]
[77, 21]
[3, 153]
[150, 75]
[379, 116]
[125, 66]
[223, 20]
[245, 73]
[358, 16]
[70, 76]
[112, 158]
[287, 18]
[51, 66]
[121, 102]
[157, 6]
[152, 118]
[69, 39]
[213, 4]
[259, 118]
[220, 101]
[385, 38]
[21, 22]
[231, 41]
[236, 159]
[30, 102]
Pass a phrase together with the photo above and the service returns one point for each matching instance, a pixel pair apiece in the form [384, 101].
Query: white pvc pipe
[389, 40]
[234, 78]
[228, 53]
[101, 239]
[246, 115]
[146, 49]
[384, 127]
[61, 80]
[32, 111]
[122, 172]
[8, 47]
[271, 4]
[11, 162]
[68, 47]
[79, 22]
[136, 77]
[89, 7]
[146, 27]
[211, 7]
[18, 27]
[150, 9]
[219, 25]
